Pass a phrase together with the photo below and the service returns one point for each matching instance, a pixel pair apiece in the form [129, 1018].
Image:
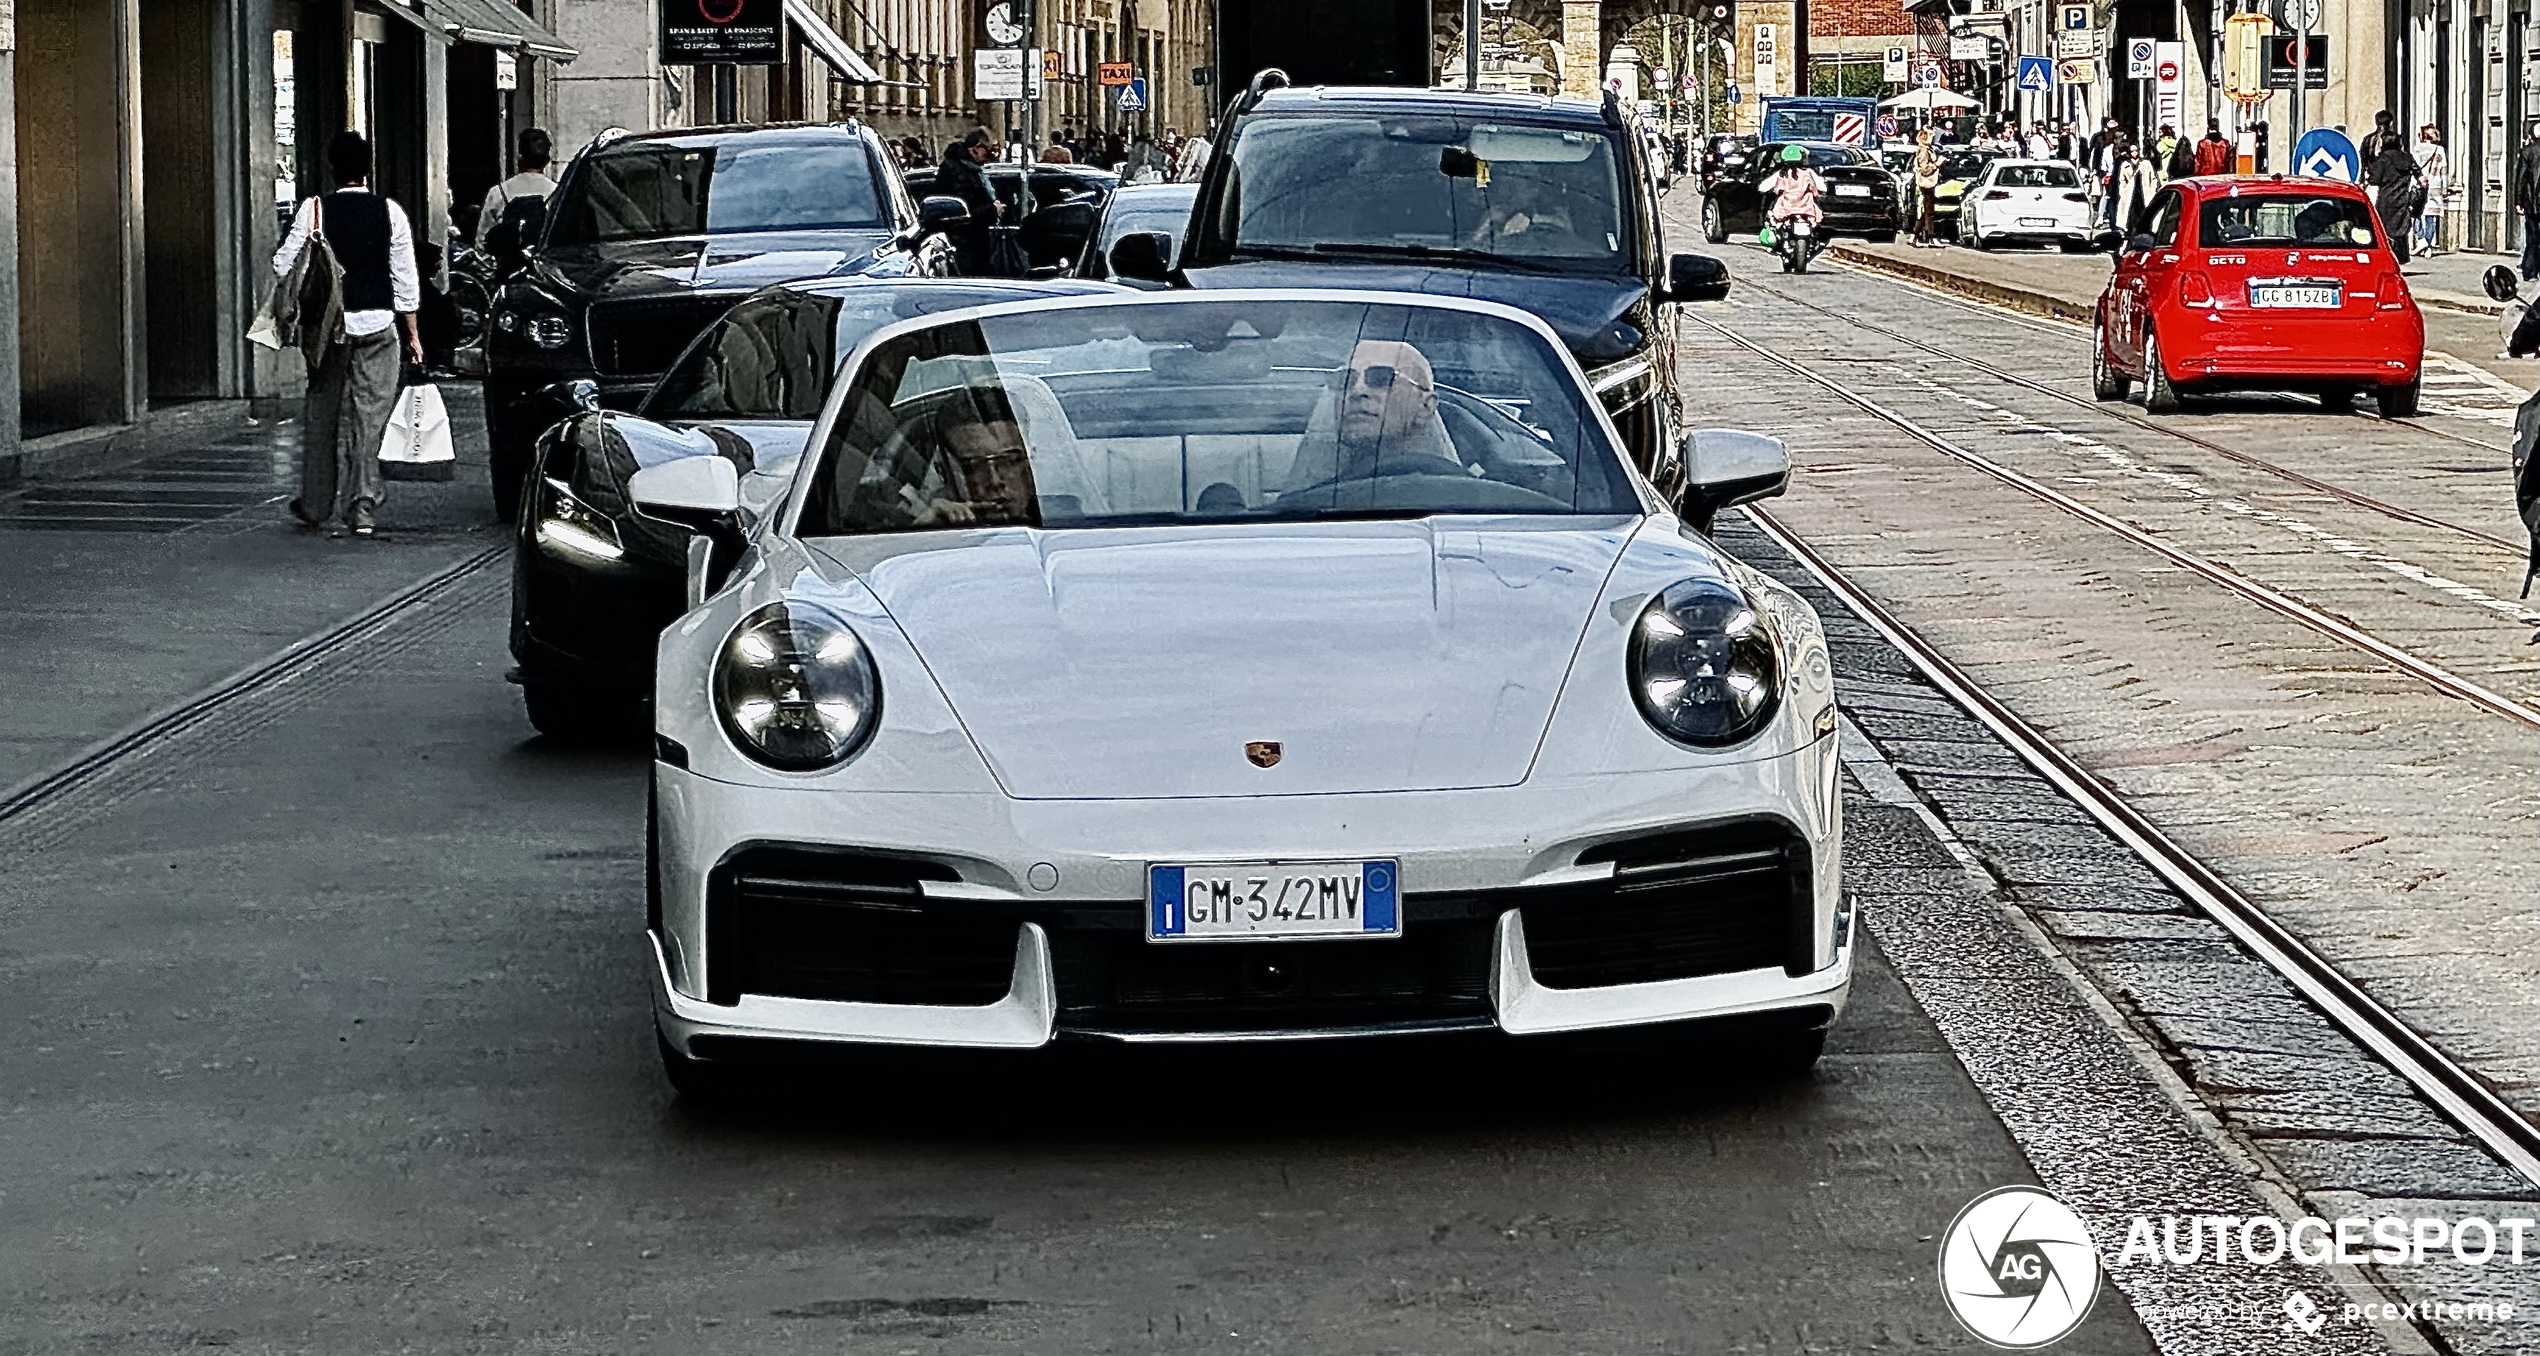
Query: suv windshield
[2284, 219]
[1211, 411]
[1386, 185]
[657, 188]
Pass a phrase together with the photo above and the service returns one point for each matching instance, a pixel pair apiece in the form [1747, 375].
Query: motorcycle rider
[1796, 189]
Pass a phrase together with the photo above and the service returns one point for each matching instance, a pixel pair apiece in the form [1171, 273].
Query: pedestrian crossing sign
[1133, 96]
[2037, 75]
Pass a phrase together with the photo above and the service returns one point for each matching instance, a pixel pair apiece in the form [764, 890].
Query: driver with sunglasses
[1381, 420]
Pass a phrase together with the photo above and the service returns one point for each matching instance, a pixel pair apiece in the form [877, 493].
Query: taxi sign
[1114, 73]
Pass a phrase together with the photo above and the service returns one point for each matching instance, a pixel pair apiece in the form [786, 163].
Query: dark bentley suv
[649, 238]
[1545, 204]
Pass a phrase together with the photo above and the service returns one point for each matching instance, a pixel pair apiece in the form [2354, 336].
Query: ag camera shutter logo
[2017, 1268]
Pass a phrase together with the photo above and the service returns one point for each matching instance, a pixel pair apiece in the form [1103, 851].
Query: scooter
[1795, 241]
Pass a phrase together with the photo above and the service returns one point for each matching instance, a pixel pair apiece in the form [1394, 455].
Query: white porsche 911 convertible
[1231, 666]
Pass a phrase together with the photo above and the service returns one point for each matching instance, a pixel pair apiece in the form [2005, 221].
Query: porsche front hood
[1377, 656]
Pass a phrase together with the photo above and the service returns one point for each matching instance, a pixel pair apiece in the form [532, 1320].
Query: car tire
[2399, 399]
[1715, 227]
[2159, 396]
[1978, 239]
[572, 715]
[2106, 382]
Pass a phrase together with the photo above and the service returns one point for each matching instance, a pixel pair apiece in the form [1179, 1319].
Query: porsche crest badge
[1263, 752]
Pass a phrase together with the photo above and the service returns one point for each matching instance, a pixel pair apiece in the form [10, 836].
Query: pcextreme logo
[2017, 1268]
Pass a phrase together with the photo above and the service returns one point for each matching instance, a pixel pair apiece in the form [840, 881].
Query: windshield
[1404, 186]
[656, 189]
[1167, 210]
[2036, 176]
[1211, 411]
[2285, 219]
[772, 356]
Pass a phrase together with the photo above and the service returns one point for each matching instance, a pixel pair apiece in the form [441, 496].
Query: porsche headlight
[1706, 666]
[796, 689]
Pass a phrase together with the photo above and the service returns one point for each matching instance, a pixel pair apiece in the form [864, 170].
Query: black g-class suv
[1545, 204]
[651, 238]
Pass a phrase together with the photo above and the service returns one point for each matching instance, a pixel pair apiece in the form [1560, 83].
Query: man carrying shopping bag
[353, 383]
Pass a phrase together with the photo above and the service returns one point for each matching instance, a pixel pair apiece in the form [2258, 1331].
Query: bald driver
[1388, 400]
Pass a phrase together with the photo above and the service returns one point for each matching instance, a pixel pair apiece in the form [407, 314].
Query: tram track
[2125, 415]
[2473, 1104]
[2433, 675]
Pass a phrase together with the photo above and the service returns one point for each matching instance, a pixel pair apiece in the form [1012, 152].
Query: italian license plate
[1242, 901]
[2296, 297]
[2037, 221]
[1852, 190]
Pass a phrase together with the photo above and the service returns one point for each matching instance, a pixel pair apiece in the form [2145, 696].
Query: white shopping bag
[418, 443]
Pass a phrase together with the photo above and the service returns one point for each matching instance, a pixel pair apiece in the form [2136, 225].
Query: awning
[493, 23]
[824, 40]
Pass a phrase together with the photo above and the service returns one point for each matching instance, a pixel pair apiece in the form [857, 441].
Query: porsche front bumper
[1506, 927]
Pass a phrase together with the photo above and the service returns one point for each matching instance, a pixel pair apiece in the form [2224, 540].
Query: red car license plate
[2294, 296]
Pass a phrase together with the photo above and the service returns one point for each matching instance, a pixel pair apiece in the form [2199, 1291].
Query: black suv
[650, 238]
[1545, 204]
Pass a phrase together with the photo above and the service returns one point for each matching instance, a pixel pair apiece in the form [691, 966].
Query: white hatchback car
[1229, 666]
[2036, 202]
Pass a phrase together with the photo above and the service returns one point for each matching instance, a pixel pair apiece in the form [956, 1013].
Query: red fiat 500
[2273, 283]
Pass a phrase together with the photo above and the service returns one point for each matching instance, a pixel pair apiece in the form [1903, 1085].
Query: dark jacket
[960, 177]
[2527, 177]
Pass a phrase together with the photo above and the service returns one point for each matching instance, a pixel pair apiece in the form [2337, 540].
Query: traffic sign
[1688, 84]
[1133, 96]
[2076, 71]
[2169, 90]
[2076, 19]
[2138, 58]
[1893, 70]
[2037, 75]
[1734, 94]
[1927, 76]
[2325, 153]
[1886, 126]
[2072, 46]
[1114, 73]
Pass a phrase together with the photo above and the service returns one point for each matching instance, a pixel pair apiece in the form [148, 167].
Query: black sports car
[1066, 200]
[592, 583]
[649, 238]
[1860, 194]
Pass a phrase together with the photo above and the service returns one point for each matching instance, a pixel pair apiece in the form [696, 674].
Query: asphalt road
[331, 1034]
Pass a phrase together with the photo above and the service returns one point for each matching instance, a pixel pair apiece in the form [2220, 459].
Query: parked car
[1860, 198]
[1066, 202]
[1544, 204]
[2247, 282]
[2032, 202]
[1959, 167]
[593, 583]
[648, 238]
[1174, 666]
[1161, 208]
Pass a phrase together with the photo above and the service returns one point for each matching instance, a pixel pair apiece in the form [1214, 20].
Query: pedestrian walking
[2215, 152]
[2434, 171]
[2107, 164]
[1926, 189]
[2391, 176]
[2137, 181]
[960, 176]
[2179, 161]
[532, 185]
[2039, 146]
[2069, 147]
[353, 385]
[2527, 200]
[2381, 133]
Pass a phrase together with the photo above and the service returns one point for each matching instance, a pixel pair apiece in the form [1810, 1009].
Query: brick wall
[1833, 19]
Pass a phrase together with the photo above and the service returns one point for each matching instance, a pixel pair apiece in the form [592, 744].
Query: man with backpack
[520, 198]
[362, 247]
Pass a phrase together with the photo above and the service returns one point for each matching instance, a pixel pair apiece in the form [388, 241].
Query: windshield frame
[890, 196]
[1204, 247]
[798, 495]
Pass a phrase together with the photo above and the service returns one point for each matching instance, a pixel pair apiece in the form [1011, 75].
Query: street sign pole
[1472, 45]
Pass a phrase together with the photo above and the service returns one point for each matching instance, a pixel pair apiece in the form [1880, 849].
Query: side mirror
[1726, 467]
[1697, 277]
[941, 213]
[1143, 255]
[582, 393]
[2139, 244]
[702, 494]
